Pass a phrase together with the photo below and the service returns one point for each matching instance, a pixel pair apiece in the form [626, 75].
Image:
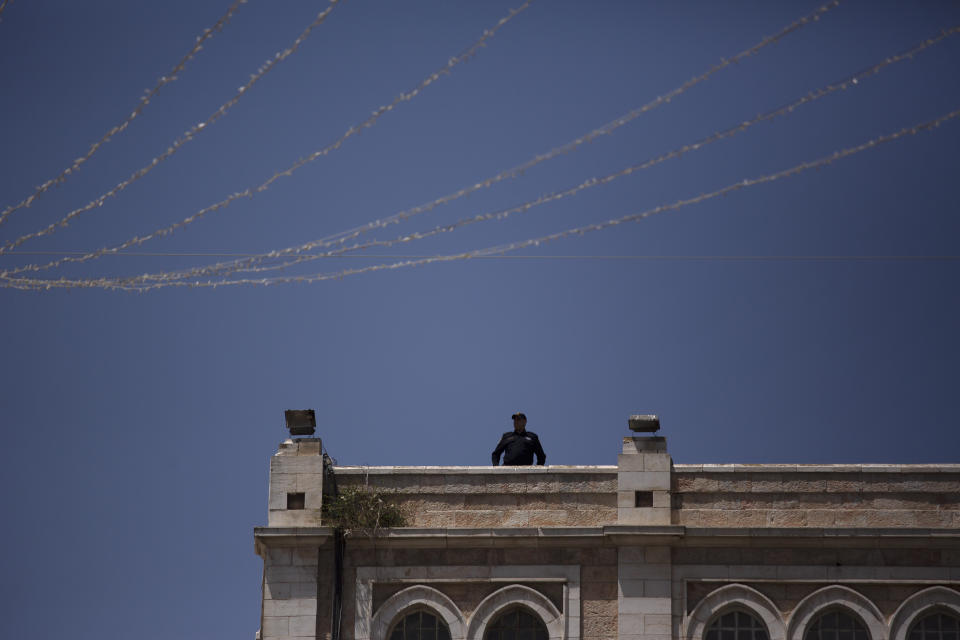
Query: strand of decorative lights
[114, 284]
[144, 101]
[189, 135]
[344, 236]
[606, 129]
[251, 191]
[247, 264]
[648, 257]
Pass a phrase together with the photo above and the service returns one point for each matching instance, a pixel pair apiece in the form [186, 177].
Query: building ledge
[816, 468]
[486, 470]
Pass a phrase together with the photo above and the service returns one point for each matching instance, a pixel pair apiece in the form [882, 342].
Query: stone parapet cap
[812, 532]
[270, 537]
[816, 468]
[472, 470]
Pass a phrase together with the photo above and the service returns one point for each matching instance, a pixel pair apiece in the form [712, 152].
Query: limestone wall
[596, 566]
[467, 497]
[874, 496]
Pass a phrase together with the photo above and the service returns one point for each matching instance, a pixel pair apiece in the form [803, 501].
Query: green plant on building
[360, 509]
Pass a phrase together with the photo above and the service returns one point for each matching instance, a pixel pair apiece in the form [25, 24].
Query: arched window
[836, 625]
[736, 625]
[420, 625]
[938, 625]
[516, 624]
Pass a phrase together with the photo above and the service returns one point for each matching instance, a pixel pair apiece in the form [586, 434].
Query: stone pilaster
[644, 593]
[296, 484]
[643, 482]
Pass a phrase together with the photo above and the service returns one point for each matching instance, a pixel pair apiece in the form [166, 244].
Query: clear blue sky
[811, 319]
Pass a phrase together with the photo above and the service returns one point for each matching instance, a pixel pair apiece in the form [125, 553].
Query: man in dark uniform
[519, 446]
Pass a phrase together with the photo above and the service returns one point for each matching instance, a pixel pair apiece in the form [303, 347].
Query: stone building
[643, 550]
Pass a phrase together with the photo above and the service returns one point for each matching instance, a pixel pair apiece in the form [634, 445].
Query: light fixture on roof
[646, 423]
[300, 422]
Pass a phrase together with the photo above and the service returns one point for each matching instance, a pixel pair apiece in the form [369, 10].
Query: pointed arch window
[516, 624]
[938, 625]
[420, 625]
[836, 625]
[736, 625]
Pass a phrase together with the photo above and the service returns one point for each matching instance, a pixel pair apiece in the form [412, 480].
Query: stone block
[801, 573]
[650, 444]
[305, 556]
[631, 624]
[630, 462]
[275, 627]
[598, 608]
[694, 483]
[475, 519]
[645, 571]
[800, 483]
[648, 516]
[309, 482]
[656, 462]
[542, 483]
[303, 589]
[629, 588]
[297, 607]
[658, 555]
[303, 626]
[600, 627]
[279, 557]
[296, 464]
[643, 480]
[276, 590]
[626, 499]
[280, 485]
[657, 589]
[844, 484]
[661, 499]
[309, 447]
[657, 624]
[291, 574]
[297, 518]
[657, 606]
[500, 484]
[821, 517]
[766, 483]
[787, 518]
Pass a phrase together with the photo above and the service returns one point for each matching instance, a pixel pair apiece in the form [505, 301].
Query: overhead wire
[873, 143]
[148, 95]
[465, 55]
[648, 257]
[189, 135]
[575, 144]
[247, 264]
[503, 175]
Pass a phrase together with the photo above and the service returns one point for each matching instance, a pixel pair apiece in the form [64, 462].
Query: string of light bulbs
[148, 95]
[247, 264]
[189, 135]
[575, 144]
[116, 284]
[251, 191]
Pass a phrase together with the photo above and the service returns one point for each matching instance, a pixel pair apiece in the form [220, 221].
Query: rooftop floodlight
[644, 423]
[300, 422]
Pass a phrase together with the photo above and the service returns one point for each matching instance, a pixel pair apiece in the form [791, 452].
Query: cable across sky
[873, 143]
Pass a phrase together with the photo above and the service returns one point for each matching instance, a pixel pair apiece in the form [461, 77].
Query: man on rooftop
[519, 446]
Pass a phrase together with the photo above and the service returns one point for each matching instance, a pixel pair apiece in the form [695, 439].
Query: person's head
[519, 422]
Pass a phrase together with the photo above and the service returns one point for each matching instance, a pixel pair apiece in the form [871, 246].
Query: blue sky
[808, 319]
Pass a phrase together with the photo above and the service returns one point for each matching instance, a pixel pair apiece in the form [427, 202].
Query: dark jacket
[519, 448]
